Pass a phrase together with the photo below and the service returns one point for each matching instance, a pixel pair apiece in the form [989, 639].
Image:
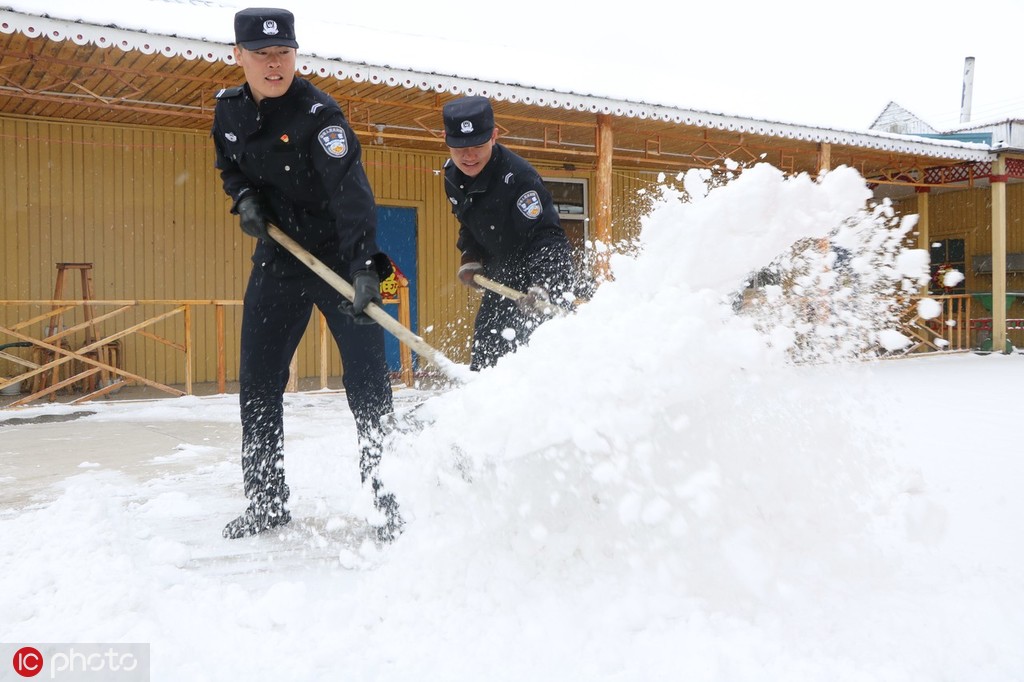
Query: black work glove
[367, 287]
[466, 272]
[535, 301]
[253, 217]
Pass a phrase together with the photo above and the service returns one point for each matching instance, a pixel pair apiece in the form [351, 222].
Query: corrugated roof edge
[81, 33]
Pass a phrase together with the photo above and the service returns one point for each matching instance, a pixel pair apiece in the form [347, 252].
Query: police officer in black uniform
[509, 230]
[287, 156]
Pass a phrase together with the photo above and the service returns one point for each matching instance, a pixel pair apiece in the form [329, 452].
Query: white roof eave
[81, 33]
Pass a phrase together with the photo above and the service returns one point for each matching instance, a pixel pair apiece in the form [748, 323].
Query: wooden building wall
[136, 204]
[145, 206]
[967, 214]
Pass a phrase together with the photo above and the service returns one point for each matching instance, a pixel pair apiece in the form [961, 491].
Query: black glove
[466, 272]
[535, 301]
[346, 307]
[367, 286]
[253, 217]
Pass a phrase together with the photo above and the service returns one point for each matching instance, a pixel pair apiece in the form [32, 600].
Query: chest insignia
[333, 140]
[529, 205]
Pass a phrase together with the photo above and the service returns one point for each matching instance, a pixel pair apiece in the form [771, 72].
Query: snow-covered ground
[651, 491]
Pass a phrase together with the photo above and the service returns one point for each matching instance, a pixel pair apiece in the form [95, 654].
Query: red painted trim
[998, 178]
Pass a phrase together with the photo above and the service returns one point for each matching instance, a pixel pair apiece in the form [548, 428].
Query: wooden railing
[97, 364]
[58, 360]
[963, 324]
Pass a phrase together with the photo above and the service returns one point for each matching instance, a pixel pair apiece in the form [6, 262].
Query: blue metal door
[396, 236]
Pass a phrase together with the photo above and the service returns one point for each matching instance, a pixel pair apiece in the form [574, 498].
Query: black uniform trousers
[274, 318]
[500, 327]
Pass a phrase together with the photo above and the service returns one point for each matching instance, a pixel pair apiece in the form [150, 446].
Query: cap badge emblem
[270, 27]
[466, 127]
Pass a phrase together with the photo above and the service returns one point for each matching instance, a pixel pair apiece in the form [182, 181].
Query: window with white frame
[570, 198]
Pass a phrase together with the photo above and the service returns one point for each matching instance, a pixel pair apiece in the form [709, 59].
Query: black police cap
[468, 122]
[260, 27]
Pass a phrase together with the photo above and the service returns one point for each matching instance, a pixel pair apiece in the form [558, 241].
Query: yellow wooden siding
[967, 215]
[145, 207]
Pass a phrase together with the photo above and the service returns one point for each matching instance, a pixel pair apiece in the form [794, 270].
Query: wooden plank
[221, 364]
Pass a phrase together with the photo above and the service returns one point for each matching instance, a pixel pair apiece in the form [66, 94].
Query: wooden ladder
[57, 318]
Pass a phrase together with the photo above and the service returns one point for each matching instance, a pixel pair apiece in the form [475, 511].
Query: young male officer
[287, 156]
[509, 229]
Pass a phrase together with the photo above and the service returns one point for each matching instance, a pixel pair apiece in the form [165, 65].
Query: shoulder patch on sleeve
[225, 93]
[529, 204]
[334, 141]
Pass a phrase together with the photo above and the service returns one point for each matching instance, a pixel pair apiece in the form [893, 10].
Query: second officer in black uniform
[509, 230]
[287, 156]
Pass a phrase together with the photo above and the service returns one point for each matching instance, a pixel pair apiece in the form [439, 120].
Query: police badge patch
[529, 205]
[333, 140]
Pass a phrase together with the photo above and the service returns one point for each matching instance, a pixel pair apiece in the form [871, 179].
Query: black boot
[386, 504]
[265, 511]
[263, 478]
[383, 501]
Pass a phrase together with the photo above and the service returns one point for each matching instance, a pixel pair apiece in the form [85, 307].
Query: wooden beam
[603, 213]
[998, 190]
[923, 238]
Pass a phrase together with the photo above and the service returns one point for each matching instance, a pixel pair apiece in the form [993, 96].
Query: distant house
[1005, 134]
[896, 119]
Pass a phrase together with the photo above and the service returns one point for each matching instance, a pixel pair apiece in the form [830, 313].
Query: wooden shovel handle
[515, 295]
[378, 314]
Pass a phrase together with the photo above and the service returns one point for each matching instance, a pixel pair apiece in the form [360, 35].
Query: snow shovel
[378, 314]
[546, 307]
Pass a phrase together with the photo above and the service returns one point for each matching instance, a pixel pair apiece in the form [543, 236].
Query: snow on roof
[203, 29]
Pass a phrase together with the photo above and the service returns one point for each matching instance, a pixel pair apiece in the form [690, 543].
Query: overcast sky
[832, 64]
[808, 61]
[804, 60]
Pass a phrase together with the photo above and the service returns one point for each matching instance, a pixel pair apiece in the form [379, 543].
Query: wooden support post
[603, 212]
[218, 315]
[188, 348]
[923, 228]
[293, 374]
[824, 157]
[998, 190]
[322, 344]
[405, 319]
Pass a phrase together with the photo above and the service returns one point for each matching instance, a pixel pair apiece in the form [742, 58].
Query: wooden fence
[58, 357]
[964, 323]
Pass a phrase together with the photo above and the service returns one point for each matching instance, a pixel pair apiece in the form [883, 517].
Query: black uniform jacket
[509, 223]
[299, 153]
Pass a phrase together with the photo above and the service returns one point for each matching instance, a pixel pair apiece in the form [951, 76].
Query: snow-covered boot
[384, 502]
[263, 479]
[266, 510]
[388, 507]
